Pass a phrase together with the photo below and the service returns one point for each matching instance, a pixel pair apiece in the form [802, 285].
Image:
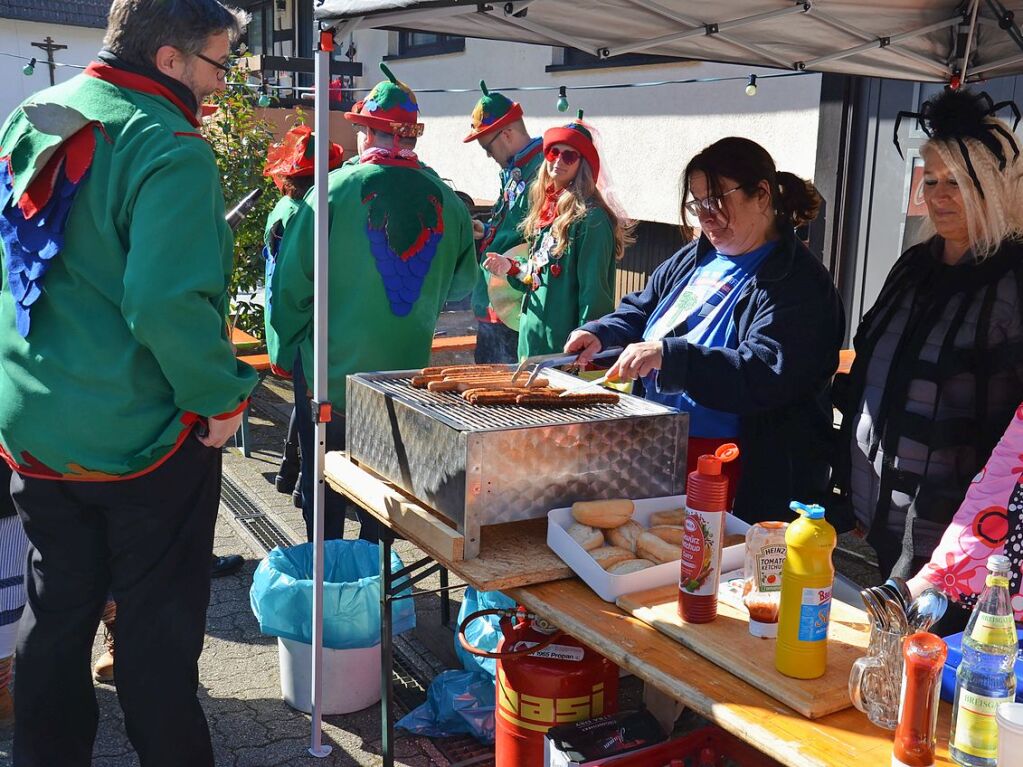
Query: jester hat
[294, 155]
[493, 112]
[390, 107]
[577, 136]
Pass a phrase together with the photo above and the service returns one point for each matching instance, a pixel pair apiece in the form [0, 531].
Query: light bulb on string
[29, 69]
[562, 99]
[264, 97]
[751, 86]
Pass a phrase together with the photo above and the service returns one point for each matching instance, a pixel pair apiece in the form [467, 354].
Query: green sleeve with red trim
[177, 270]
[594, 248]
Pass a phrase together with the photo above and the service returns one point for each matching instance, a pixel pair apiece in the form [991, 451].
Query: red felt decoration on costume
[76, 153]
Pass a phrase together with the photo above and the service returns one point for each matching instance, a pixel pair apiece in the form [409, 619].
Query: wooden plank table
[844, 739]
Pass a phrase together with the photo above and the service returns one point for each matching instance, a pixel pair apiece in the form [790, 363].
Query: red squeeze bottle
[704, 527]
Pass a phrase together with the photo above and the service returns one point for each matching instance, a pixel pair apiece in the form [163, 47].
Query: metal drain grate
[264, 531]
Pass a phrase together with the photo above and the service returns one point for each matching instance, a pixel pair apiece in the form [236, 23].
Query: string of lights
[265, 87]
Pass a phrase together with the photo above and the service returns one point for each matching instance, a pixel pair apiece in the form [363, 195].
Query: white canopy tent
[948, 41]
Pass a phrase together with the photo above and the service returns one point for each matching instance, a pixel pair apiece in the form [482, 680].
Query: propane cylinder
[564, 682]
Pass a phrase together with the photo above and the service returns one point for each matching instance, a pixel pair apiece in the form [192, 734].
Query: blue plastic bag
[483, 633]
[282, 594]
[458, 702]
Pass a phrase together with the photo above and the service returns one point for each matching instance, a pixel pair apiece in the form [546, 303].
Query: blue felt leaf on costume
[403, 280]
[30, 245]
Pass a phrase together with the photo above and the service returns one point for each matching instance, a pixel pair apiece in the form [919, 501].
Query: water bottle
[986, 677]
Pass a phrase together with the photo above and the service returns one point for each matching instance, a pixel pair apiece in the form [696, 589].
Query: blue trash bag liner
[282, 594]
[457, 703]
[483, 633]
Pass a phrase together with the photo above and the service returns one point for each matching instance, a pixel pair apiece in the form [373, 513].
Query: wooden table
[844, 739]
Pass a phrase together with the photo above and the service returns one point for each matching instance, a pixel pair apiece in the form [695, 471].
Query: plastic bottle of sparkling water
[986, 676]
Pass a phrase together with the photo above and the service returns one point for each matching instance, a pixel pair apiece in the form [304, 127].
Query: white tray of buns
[633, 540]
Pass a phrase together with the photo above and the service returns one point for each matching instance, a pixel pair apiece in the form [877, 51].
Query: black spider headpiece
[960, 114]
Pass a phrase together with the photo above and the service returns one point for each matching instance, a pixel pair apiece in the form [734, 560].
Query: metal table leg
[445, 599]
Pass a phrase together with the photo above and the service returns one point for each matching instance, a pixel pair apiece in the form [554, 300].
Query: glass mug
[876, 679]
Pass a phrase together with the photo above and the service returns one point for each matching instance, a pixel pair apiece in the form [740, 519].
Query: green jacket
[128, 343]
[400, 246]
[581, 291]
[502, 232]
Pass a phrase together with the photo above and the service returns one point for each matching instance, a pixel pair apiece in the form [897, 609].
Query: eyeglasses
[486, 147]
[710, 205]
[567, 156]
[224, 68]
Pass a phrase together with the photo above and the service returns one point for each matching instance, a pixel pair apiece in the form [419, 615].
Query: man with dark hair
[118, 383]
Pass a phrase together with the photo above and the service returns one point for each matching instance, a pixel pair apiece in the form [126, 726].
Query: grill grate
[459, 414]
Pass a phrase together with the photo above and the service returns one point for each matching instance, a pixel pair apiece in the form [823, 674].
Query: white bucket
[351, 678]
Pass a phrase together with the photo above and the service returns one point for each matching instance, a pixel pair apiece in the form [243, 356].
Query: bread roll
[670, 533]
[607, 556]
[613, 513]
[673, 517]
[587, 537]
[625, 537]
[630, 566]
[649, 546]
[733, 539]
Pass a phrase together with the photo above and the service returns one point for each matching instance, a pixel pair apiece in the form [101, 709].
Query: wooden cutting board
[728, 643]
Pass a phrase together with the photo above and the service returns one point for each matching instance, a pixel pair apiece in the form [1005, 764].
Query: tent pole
[965, 62]
[320, 404]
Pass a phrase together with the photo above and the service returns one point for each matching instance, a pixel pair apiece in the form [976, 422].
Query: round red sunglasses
[568, 156]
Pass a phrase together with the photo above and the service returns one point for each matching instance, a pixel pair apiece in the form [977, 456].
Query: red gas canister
[544, 678]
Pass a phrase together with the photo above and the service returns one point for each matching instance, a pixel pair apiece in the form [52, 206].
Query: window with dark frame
[573, 58]
[414, 44]
[259, 34]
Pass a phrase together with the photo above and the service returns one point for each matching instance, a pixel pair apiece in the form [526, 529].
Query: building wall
[16, 37]
[648, 134]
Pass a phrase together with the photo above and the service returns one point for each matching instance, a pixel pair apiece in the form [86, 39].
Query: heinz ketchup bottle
[704, 527]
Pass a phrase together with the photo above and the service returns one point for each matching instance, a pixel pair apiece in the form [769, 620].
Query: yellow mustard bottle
[807, 578]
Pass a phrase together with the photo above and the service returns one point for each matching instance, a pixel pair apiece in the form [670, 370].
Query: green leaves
[240, 141]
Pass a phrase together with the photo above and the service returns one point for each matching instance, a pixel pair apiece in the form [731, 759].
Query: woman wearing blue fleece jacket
[741, 329]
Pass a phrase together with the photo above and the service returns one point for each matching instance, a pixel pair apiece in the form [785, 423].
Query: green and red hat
[577, 136]
[295, 155]
[390, 107]
[493, 112]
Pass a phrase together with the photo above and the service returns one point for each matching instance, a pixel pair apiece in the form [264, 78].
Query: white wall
[648, 134]
[17, 37]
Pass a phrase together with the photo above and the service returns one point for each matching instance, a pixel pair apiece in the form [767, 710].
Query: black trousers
[147, 542]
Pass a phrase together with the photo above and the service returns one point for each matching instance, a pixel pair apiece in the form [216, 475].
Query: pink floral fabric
[981, 527]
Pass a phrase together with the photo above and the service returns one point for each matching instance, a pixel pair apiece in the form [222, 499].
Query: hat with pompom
[577, 136]
[493, 112]
[295, 154]
[390, 107]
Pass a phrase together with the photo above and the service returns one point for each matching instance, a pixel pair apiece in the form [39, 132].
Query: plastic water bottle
[986, 676]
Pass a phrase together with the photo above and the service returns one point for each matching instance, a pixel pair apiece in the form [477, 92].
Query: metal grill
[453, 410]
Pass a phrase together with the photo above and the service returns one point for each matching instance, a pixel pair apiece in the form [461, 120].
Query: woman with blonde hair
[939, 358]
[575, 236]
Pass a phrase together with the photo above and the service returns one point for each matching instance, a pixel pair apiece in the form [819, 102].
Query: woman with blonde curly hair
[939, 357]
[575, 237]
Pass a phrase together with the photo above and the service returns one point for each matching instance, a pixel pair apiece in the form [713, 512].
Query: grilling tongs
[542, 361]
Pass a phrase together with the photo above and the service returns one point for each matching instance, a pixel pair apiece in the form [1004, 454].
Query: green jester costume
[400, 246]
[494, 112]
[102, 281]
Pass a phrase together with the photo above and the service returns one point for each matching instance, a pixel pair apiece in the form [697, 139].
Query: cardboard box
[609, 587]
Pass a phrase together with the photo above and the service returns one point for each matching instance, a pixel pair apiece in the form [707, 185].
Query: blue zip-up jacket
[790, 324]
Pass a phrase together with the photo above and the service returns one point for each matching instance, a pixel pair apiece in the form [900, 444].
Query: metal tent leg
[386, 651]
